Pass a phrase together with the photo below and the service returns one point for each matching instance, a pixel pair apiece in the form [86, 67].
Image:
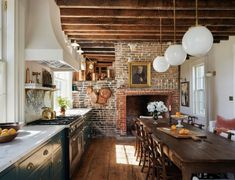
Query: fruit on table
[11, 131]
[184, 131]
[178, 114]
[173, 127]
[6, 132]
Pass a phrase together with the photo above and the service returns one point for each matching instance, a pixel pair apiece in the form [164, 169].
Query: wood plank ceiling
[98, 24]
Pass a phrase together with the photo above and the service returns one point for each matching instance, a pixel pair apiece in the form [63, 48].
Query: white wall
[221, 59]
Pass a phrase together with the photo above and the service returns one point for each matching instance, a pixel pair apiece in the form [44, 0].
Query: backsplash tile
[34, 101]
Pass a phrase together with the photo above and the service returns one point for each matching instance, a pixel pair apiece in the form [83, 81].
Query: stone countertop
[28, 139]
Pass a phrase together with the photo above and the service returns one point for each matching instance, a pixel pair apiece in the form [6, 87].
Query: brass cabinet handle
[30, 166]
[45, 152]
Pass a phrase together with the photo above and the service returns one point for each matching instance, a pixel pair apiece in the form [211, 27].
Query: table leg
[186, 174]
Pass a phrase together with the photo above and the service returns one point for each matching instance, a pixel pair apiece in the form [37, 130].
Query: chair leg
[144, 160]
[148, 171]
[136, 146]
[141, 154]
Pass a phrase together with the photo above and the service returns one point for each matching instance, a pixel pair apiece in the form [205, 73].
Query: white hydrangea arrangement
[157, 107]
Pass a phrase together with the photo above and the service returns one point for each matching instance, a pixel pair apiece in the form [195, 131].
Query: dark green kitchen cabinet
[44, 163]
[87, 132]
[9, 174]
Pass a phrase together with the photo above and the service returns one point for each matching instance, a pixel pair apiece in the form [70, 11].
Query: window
[3, 91]
[63, 82]
[2, 76]
[199, 89]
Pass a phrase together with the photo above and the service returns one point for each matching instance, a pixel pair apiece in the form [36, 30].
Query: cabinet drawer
[33, 162]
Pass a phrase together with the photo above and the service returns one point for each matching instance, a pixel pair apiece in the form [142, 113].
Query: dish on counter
[8, 131]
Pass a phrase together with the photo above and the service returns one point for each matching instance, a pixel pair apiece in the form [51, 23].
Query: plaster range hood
[45, 42]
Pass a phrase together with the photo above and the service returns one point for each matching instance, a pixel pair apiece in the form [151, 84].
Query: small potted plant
[64, 103]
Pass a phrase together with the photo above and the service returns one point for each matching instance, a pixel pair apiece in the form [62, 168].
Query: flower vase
[155, 117]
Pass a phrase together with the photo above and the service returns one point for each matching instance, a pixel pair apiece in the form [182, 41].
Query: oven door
[75, 150]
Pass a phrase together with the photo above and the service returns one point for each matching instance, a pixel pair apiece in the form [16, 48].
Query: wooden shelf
[40, 88]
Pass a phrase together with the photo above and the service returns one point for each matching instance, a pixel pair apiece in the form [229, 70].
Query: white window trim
[68, 89]
[198, 63]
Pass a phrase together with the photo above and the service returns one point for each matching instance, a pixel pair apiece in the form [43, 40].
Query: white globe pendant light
[197, 41]
[160, 64]
[175, 55]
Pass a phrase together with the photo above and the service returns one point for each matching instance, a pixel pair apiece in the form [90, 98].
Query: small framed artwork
[184, 90]
[139, 74]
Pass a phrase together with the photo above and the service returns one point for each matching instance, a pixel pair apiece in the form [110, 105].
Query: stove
[74, 142]
[59, 120]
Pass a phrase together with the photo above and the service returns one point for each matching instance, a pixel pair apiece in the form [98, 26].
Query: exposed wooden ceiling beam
[98, 49]
[134, 28]
[100, 55]
[116, 33]
[100, 52]
[133, 13]
[149, 4]
[144, 21]
[132, 37]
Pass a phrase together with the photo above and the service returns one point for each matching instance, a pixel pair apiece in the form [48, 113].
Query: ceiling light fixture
[75, 44]
[80, 51]
[198, 40]
[174, 54]
[159, 63]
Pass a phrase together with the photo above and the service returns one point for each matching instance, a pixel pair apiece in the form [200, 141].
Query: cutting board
[192, 134]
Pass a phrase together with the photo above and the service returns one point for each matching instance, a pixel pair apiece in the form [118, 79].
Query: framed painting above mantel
[139, 74]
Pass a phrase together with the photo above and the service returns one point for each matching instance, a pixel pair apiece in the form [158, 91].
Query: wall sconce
[210, 73]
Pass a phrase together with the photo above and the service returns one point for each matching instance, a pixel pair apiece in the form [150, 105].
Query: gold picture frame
[139, 74]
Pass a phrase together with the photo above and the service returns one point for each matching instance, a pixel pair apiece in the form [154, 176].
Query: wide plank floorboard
[109, 159]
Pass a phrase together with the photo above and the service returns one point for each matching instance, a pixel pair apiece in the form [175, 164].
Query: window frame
[67, 89]
[196, 90]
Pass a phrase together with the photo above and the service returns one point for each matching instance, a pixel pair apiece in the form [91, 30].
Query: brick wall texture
[109, 120]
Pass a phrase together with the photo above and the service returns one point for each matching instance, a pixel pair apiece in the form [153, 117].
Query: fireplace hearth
[132, 103]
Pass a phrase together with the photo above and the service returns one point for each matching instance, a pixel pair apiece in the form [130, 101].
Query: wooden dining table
[210, 154]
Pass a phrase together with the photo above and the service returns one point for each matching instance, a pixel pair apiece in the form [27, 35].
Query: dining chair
[137, 133]
[225, 131]
[160, 165]
[144, 155]
[192, 120]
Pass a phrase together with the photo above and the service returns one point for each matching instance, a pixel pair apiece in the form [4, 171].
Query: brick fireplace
[129, 107]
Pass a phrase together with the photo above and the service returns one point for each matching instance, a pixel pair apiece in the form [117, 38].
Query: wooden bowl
[8, 138]
[16, 126]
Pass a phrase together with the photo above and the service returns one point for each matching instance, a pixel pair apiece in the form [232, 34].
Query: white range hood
[45, 41]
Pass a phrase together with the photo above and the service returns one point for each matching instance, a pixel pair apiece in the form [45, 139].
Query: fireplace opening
[137, 106]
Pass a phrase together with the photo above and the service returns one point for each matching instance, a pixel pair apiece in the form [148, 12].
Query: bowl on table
[8, 131]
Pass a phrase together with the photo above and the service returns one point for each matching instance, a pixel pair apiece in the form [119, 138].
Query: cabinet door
[10, 175]
[58, 170]
[44, 172]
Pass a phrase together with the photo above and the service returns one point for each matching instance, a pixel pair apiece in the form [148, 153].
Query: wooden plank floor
[109, 159]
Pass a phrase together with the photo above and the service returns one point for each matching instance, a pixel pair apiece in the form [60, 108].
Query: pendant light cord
[196, 12]
[174, 21]
[161, 33]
